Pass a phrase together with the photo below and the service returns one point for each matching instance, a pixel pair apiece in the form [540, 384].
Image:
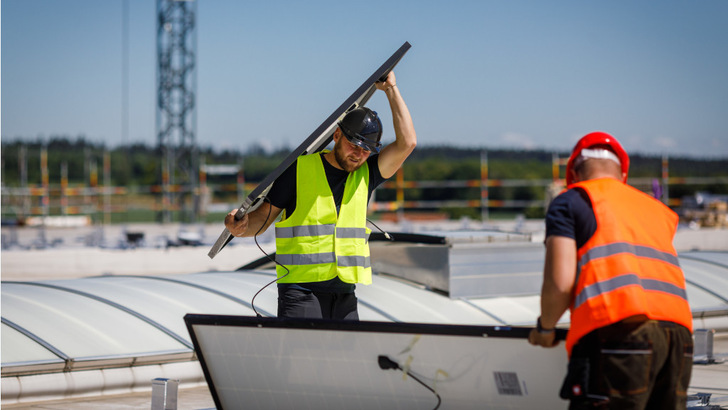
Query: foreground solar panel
[269, 363]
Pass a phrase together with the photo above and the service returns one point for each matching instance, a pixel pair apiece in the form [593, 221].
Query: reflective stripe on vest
[624, 247]
[348, 261]
[629, 266]
[629, 279]
[308, 230]
[329, 257]
[360, 233]
[306, 259]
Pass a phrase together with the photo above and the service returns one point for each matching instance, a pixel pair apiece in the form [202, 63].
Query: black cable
[386, 235]
[255, 238]
[387, 363]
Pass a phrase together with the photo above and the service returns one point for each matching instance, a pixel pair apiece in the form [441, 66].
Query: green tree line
[140, 165]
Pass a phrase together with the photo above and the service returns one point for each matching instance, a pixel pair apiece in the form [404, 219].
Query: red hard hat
[598, 138]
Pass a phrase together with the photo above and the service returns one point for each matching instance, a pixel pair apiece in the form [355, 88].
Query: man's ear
[337, 134]
[575, 176]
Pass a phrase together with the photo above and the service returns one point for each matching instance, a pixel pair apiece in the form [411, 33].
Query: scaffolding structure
[176, 117]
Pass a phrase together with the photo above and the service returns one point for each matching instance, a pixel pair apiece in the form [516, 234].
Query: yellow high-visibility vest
[314, 243]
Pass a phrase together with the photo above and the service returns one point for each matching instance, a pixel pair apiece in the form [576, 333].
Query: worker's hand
[236, 228]
[537, 338]
[390, 82]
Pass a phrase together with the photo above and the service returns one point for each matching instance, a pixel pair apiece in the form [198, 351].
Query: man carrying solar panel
[322, 248]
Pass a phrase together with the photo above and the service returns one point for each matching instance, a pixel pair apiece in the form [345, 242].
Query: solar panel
[315, 142]
[270, 363]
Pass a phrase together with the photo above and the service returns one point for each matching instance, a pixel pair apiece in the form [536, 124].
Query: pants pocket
[298, 303]
[576, 383]
[686, 365]
[626, 367]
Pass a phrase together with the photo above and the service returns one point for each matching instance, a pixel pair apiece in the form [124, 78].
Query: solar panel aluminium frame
[317, 141]
[415, 329]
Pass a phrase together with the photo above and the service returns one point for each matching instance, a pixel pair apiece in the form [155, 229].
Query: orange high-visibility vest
[629, 266]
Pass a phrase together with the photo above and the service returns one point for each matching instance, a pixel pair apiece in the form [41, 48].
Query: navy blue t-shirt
[283, 195]
[568, 211]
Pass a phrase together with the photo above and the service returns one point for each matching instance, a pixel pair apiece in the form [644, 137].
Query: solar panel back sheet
[270, 363]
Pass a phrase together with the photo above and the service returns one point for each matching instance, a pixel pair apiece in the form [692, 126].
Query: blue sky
[487, 74]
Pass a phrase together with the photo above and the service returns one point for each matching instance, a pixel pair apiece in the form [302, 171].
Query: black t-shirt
[283, 195]
[571, 215]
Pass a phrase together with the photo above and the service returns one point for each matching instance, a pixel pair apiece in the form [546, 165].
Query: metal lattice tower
[176, 120]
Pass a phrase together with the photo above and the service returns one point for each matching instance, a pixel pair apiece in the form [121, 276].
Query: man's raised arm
[393, 155]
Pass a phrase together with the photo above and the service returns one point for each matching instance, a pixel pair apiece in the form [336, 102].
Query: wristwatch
[541, 330]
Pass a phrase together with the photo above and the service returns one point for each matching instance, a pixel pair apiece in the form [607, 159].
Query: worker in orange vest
[611, 262]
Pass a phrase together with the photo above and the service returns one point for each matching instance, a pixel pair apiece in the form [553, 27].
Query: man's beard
[343, 162]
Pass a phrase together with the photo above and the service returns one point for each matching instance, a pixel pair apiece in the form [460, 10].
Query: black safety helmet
[362, 127]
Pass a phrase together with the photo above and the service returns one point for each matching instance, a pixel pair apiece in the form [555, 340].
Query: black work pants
[301, 303]
[631, 365]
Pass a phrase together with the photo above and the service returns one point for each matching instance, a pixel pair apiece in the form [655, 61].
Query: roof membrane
[108, 320]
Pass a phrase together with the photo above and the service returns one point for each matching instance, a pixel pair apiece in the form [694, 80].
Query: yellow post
[400, 194]
[484, 185]
[107, 187]
[45, 201]
[555, 167]
[241, 181]
[64, 188]
[665, 176]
